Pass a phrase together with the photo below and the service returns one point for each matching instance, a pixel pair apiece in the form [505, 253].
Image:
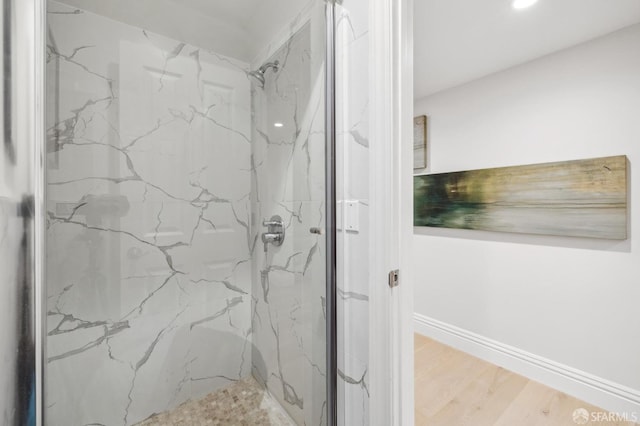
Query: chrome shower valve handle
[275, 232]
[275, 239]
[267, 223]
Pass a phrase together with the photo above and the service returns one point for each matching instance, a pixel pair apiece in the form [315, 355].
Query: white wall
[573, 301]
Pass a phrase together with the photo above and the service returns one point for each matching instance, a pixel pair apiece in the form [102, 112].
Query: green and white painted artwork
[583, 198]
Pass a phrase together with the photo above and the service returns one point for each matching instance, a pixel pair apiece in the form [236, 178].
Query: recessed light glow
[278, 125]
[523, 4]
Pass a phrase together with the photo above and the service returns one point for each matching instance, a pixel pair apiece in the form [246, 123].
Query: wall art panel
[583, 198]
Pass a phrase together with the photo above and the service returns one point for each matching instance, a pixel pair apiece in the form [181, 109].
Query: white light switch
[352, 216]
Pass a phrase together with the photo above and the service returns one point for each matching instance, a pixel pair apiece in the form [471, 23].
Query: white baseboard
[594, 390]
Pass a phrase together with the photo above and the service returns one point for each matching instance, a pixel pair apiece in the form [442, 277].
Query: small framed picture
[420, 142]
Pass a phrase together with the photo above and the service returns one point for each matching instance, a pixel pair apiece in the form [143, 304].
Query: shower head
[259, 73]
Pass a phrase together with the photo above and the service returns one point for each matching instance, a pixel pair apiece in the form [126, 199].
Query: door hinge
[393, 278]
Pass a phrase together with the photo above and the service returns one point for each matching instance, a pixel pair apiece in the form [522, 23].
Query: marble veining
[352, 127]
[162, 161]
[288, 177]
[149, 241]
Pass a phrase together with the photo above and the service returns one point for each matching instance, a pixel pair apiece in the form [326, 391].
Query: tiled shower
[163, 159]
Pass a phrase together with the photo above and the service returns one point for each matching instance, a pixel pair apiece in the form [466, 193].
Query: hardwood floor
[455, 389]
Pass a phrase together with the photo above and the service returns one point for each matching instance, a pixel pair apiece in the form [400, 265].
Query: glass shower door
[169, 143]
[289, 183]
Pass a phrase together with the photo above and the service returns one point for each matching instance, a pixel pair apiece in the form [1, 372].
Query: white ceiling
[457, 41]
[235, 28]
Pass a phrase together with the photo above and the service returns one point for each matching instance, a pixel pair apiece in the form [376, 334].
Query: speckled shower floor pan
[244, 403]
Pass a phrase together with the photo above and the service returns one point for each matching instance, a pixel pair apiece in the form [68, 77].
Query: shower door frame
[331, 274]
[24, 44]
[29, 24]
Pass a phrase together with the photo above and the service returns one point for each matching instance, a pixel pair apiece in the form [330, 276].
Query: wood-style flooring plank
[456, 389]
[446, 379]
[483, 401]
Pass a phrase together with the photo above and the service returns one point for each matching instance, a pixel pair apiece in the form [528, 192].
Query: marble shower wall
[288, 162]
[149, 251]
[352, 122]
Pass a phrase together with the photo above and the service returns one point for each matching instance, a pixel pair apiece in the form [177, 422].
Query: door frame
[391, 191]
